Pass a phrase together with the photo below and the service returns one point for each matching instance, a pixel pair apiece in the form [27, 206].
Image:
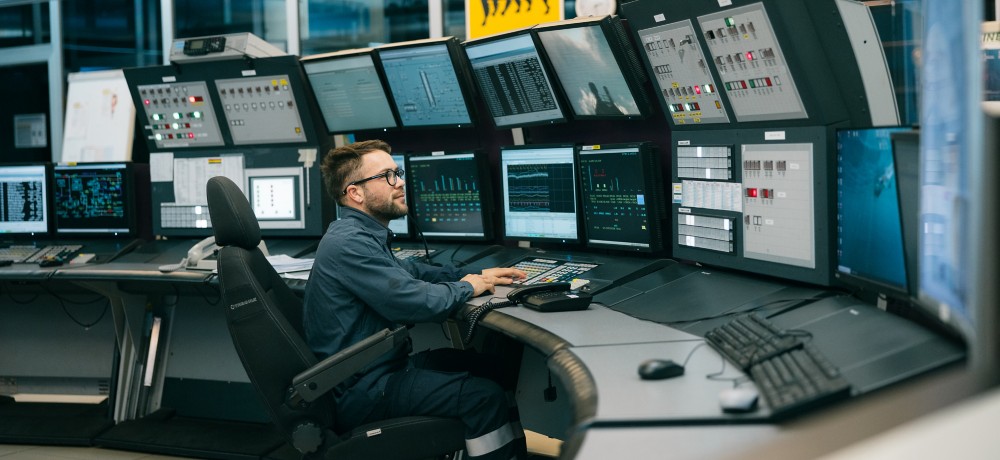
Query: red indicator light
[749, 56]
[744, 84]
[752, 193]
[146, 101]
[766, 194]
[190, 135]
[768, 79]
[195, 99]
[697, 89]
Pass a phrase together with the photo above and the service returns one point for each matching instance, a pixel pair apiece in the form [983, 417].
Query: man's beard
[387, 209]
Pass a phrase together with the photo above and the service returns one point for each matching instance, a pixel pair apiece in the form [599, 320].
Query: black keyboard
[749, 339]
[798, 380]
[411, 254]
[541, 270]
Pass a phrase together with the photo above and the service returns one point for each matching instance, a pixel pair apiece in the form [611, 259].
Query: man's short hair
[342, 164]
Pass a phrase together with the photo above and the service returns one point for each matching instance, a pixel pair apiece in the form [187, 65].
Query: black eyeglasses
[391, 176]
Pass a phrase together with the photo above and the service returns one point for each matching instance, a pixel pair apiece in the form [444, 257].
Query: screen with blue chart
[539, 193]
[869, 235]
[92, 198]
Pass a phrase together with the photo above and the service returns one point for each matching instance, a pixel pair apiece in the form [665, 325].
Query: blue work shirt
[358, 287]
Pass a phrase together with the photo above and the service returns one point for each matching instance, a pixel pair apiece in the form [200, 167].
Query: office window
[333, 26]
[23, 25]
[263, 18]
[111, 34]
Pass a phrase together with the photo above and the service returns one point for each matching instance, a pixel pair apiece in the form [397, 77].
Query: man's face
[382, 201]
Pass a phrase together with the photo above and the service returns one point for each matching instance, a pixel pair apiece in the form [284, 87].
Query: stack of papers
[284, 264]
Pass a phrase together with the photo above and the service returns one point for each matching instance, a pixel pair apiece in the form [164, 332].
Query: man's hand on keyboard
[505, 275]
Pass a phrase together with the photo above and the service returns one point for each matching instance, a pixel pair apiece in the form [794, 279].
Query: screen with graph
[539, 193]
[93, 199]
[349, 91]
[23, 200]
[621, 190]
[450, 195]
[428, 83]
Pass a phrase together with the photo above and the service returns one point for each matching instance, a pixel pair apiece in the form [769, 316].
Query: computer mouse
[738, 400]
[658, 369]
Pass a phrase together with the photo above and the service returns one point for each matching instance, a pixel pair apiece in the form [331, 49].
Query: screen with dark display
[539, 193]
[450, 194]
[588, 72]
[620, 200]
[349, 91]
[92, 198]
[401, 226]
[23, 200]
[869, 236]
[513, 82]
[426, 87]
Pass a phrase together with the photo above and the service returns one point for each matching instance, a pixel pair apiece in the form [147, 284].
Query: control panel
[179, 115]
[749, 61]
[778, 211]
[683, 79]
[260, 110]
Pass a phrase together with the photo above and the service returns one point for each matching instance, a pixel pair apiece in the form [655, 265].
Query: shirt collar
[368, 223]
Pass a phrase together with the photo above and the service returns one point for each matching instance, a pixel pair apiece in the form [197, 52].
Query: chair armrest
[328, 373]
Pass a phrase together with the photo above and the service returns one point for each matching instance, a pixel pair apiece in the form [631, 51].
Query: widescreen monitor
[349, 91]
[24, 200]
[869, 235]
[450, 195]
[595, 67]
[539, 193]
[94, 199]
[621, 189]
[429, 82]
[513, 81]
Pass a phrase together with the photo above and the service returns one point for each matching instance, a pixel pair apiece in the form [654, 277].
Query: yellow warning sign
[488, 17]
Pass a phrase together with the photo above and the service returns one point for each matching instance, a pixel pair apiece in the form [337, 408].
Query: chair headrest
[233, 219]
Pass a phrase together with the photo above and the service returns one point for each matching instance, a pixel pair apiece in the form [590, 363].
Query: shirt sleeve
[393, 291]
[434, 273]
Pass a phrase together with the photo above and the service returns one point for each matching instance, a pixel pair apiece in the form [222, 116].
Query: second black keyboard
[798, 380]
[749, 339]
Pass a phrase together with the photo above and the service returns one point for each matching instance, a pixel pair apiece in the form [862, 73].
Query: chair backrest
[263, 314]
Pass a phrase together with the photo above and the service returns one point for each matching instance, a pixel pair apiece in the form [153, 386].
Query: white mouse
[738, 400]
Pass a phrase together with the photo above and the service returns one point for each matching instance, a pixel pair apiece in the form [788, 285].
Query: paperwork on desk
[290, 267]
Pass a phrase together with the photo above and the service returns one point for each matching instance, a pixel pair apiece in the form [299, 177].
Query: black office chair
[265, 322]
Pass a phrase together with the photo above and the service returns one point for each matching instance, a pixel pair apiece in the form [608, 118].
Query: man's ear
[355, 195]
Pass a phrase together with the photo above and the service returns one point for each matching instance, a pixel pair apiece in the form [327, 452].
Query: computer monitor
[539, 193]
[869, 236]
[429, 82]
[906, 159]
[596, 67]
[513, 81]
[621, 188]
[277, 197]
[401, 226]
[450, 195]
[349, 90]
[94, 199]
[24, 200]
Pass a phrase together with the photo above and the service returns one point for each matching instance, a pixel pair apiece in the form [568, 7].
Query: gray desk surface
[598, 325]
[624, 398]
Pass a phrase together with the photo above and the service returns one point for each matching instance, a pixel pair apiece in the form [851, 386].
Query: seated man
[358, 287]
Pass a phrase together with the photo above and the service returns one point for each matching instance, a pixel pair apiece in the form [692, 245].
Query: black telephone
[550, 297]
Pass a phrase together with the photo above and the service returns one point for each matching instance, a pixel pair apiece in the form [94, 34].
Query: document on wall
[192, 174]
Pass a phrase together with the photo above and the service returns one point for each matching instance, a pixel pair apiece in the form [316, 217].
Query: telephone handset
[198, 256]
[550, 297]
[199, 253]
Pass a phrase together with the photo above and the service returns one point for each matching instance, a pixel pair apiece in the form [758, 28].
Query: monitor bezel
[561, 104]
[864, 283]
[576, 183]
[131, 206]
[652, 178]
[463, 74]
[485, 195]
[634, 78]
[305, 62]
[49, 216]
